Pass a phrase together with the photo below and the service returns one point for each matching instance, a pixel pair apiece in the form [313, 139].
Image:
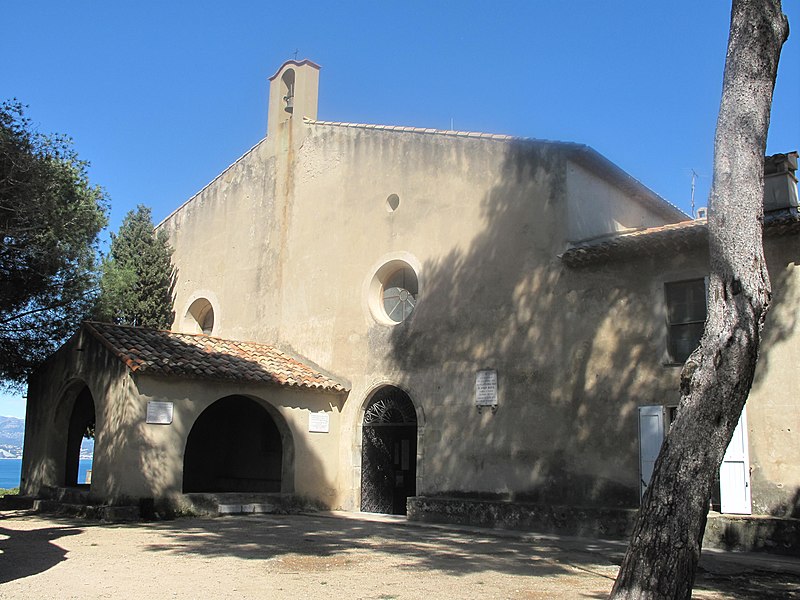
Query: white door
[734, 473]
[651, 435]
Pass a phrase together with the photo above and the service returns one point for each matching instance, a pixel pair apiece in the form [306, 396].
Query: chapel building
[461, 326]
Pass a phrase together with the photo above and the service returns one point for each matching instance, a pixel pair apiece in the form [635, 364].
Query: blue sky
[161, 96]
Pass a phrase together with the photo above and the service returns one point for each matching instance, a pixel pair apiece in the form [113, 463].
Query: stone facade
[411, 259]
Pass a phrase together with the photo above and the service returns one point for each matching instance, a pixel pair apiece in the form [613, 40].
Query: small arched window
[288, 90]
[200, 317]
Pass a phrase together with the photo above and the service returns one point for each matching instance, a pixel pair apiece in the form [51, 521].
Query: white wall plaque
[319, 422]
[159, 413]
[486, 388]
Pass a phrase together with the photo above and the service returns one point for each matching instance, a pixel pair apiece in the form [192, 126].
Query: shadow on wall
[65, 394]
[576, 350]
[777, 358]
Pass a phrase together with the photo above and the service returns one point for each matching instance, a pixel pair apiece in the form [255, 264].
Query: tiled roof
[157, 352]
[666, 238]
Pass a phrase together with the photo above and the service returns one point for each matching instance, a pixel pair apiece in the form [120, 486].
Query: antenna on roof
[694, 177]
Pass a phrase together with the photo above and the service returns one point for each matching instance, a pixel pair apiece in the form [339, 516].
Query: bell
[289, 104]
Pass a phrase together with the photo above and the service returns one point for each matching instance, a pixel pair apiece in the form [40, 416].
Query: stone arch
[239, 444]
[390, 434]
[75, 419]
[287, 90]
[201, 314]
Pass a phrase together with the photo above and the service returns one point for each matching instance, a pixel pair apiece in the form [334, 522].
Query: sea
[11, 469]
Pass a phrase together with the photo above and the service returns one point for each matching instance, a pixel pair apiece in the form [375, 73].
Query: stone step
[67, 495]
[235, 503]
[88, 511]
[245, 509]
[15, 502]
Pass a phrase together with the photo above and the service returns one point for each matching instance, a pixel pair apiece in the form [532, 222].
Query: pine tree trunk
[662, 557]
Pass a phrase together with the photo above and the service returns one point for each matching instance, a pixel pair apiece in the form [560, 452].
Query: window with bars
[686, 317]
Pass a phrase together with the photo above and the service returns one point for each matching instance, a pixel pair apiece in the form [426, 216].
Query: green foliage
[50, 216]
[138, 277]
[9, 491]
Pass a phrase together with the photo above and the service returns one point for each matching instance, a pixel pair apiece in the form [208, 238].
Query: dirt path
[278, 557]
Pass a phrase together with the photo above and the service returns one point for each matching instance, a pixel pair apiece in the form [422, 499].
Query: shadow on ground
[452, 552]
[26, 553]
[306, 545]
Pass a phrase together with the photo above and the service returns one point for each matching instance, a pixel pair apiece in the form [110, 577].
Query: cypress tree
[138, 277]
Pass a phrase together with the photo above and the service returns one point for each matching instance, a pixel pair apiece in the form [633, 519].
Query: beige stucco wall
[598, 208]
[773, 408]
[482, 223]
[52, 392]
[227, 241]
[289, 239]
[313, 469]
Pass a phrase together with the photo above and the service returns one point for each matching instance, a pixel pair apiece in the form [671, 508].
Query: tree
[50, 216]
[138, 277]
[662, 557]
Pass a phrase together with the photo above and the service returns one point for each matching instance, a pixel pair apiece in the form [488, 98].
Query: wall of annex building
[52, 393]
[136, 459]
[310, 459]
[619, 361]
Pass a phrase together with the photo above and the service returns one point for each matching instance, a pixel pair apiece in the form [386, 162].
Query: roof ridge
[583, 153]
[430, 131]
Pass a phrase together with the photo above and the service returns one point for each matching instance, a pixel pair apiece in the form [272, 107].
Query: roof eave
[659, 241]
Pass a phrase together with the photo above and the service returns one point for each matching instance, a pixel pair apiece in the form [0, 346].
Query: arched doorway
[80, 439]
[388, 452]
[233, 446]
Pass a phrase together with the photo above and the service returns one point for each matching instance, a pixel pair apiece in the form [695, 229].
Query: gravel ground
[317, 556]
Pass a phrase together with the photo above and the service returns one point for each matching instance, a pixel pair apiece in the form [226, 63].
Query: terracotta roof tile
[666, 238]
[159, 352]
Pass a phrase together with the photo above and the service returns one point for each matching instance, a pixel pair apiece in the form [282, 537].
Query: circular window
[400, 294]
[394, 291]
